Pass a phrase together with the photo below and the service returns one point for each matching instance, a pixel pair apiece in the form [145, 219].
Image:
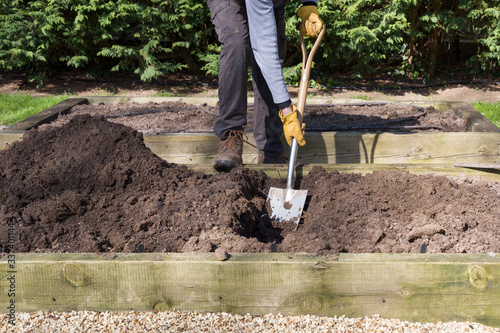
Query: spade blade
[286, 204]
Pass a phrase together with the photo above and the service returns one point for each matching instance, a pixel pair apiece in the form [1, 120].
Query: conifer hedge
[419, 39]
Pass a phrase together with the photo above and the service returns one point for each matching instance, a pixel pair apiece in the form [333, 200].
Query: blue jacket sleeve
[263, 38]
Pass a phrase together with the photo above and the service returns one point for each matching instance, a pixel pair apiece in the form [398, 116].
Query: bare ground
[373, 89]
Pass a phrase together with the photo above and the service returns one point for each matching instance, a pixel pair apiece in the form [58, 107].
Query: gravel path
[175, 321]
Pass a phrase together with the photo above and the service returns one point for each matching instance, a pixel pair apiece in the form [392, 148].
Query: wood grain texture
[414, 287]
[337, 148]
[280, 171]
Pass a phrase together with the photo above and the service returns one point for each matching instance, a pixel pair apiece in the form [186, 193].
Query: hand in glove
[292, 127]
[311, 23]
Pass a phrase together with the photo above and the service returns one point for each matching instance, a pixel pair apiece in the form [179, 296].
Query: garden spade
[287, 204]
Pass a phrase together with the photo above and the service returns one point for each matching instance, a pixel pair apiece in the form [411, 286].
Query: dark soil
[91, 185]
[167, 117]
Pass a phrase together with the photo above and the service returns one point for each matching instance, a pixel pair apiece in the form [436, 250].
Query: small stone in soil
[221, 254]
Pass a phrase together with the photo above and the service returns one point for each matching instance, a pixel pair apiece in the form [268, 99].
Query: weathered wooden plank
[280, 171]
[47, 115]
[180, 152]
[415, 287]
[202, 100]
[336, 147]
[475, 121]
[478, 166]
[7, 137]
[401, 148]
[185, 148]
[95, 100]
[318, 100]
[194, 148]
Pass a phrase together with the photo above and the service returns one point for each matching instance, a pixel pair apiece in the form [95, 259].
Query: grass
[489, 110]
[17, 107]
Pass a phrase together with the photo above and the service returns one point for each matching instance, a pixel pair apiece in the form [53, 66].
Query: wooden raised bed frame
[413, 287]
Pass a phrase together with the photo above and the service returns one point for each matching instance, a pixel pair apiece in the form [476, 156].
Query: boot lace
[235, 138]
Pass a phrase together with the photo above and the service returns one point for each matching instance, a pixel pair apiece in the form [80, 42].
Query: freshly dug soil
[91, 185]
[168, 117]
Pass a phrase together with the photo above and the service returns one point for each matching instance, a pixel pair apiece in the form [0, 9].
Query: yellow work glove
[311, 23]
[292, 127]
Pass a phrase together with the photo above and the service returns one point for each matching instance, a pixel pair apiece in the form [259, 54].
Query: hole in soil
[104, 246]
[261, 227]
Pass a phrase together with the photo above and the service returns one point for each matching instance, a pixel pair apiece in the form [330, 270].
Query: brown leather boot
[230, 150]
[270, 159]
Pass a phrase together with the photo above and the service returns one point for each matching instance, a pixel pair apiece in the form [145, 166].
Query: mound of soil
[168, 117]
[91, 185]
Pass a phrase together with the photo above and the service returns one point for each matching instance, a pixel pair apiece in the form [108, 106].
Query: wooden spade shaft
[301, 102]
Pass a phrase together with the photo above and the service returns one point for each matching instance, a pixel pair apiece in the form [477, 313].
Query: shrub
[418, 39]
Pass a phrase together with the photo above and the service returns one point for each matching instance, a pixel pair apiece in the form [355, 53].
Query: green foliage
[211, 60]
[293, 74]
[149, 38]
[419, 39]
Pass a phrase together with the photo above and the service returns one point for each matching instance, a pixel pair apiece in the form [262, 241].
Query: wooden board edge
[399, 286]
[275, 257]
[280, 171]
[475, 121]
[47, 115]
[345, 147]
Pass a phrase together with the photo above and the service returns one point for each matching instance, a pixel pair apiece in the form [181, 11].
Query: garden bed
[94, 186]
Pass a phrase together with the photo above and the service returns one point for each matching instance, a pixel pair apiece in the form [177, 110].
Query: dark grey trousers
[230, 20]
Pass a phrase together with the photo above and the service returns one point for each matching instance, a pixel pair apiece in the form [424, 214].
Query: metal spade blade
[286, 204]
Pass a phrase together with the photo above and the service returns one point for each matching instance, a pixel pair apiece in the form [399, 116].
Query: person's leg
[229, 19]
[268, 127]
[230, 22]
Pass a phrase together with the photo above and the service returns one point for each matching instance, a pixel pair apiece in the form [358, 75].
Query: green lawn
[16, 107]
